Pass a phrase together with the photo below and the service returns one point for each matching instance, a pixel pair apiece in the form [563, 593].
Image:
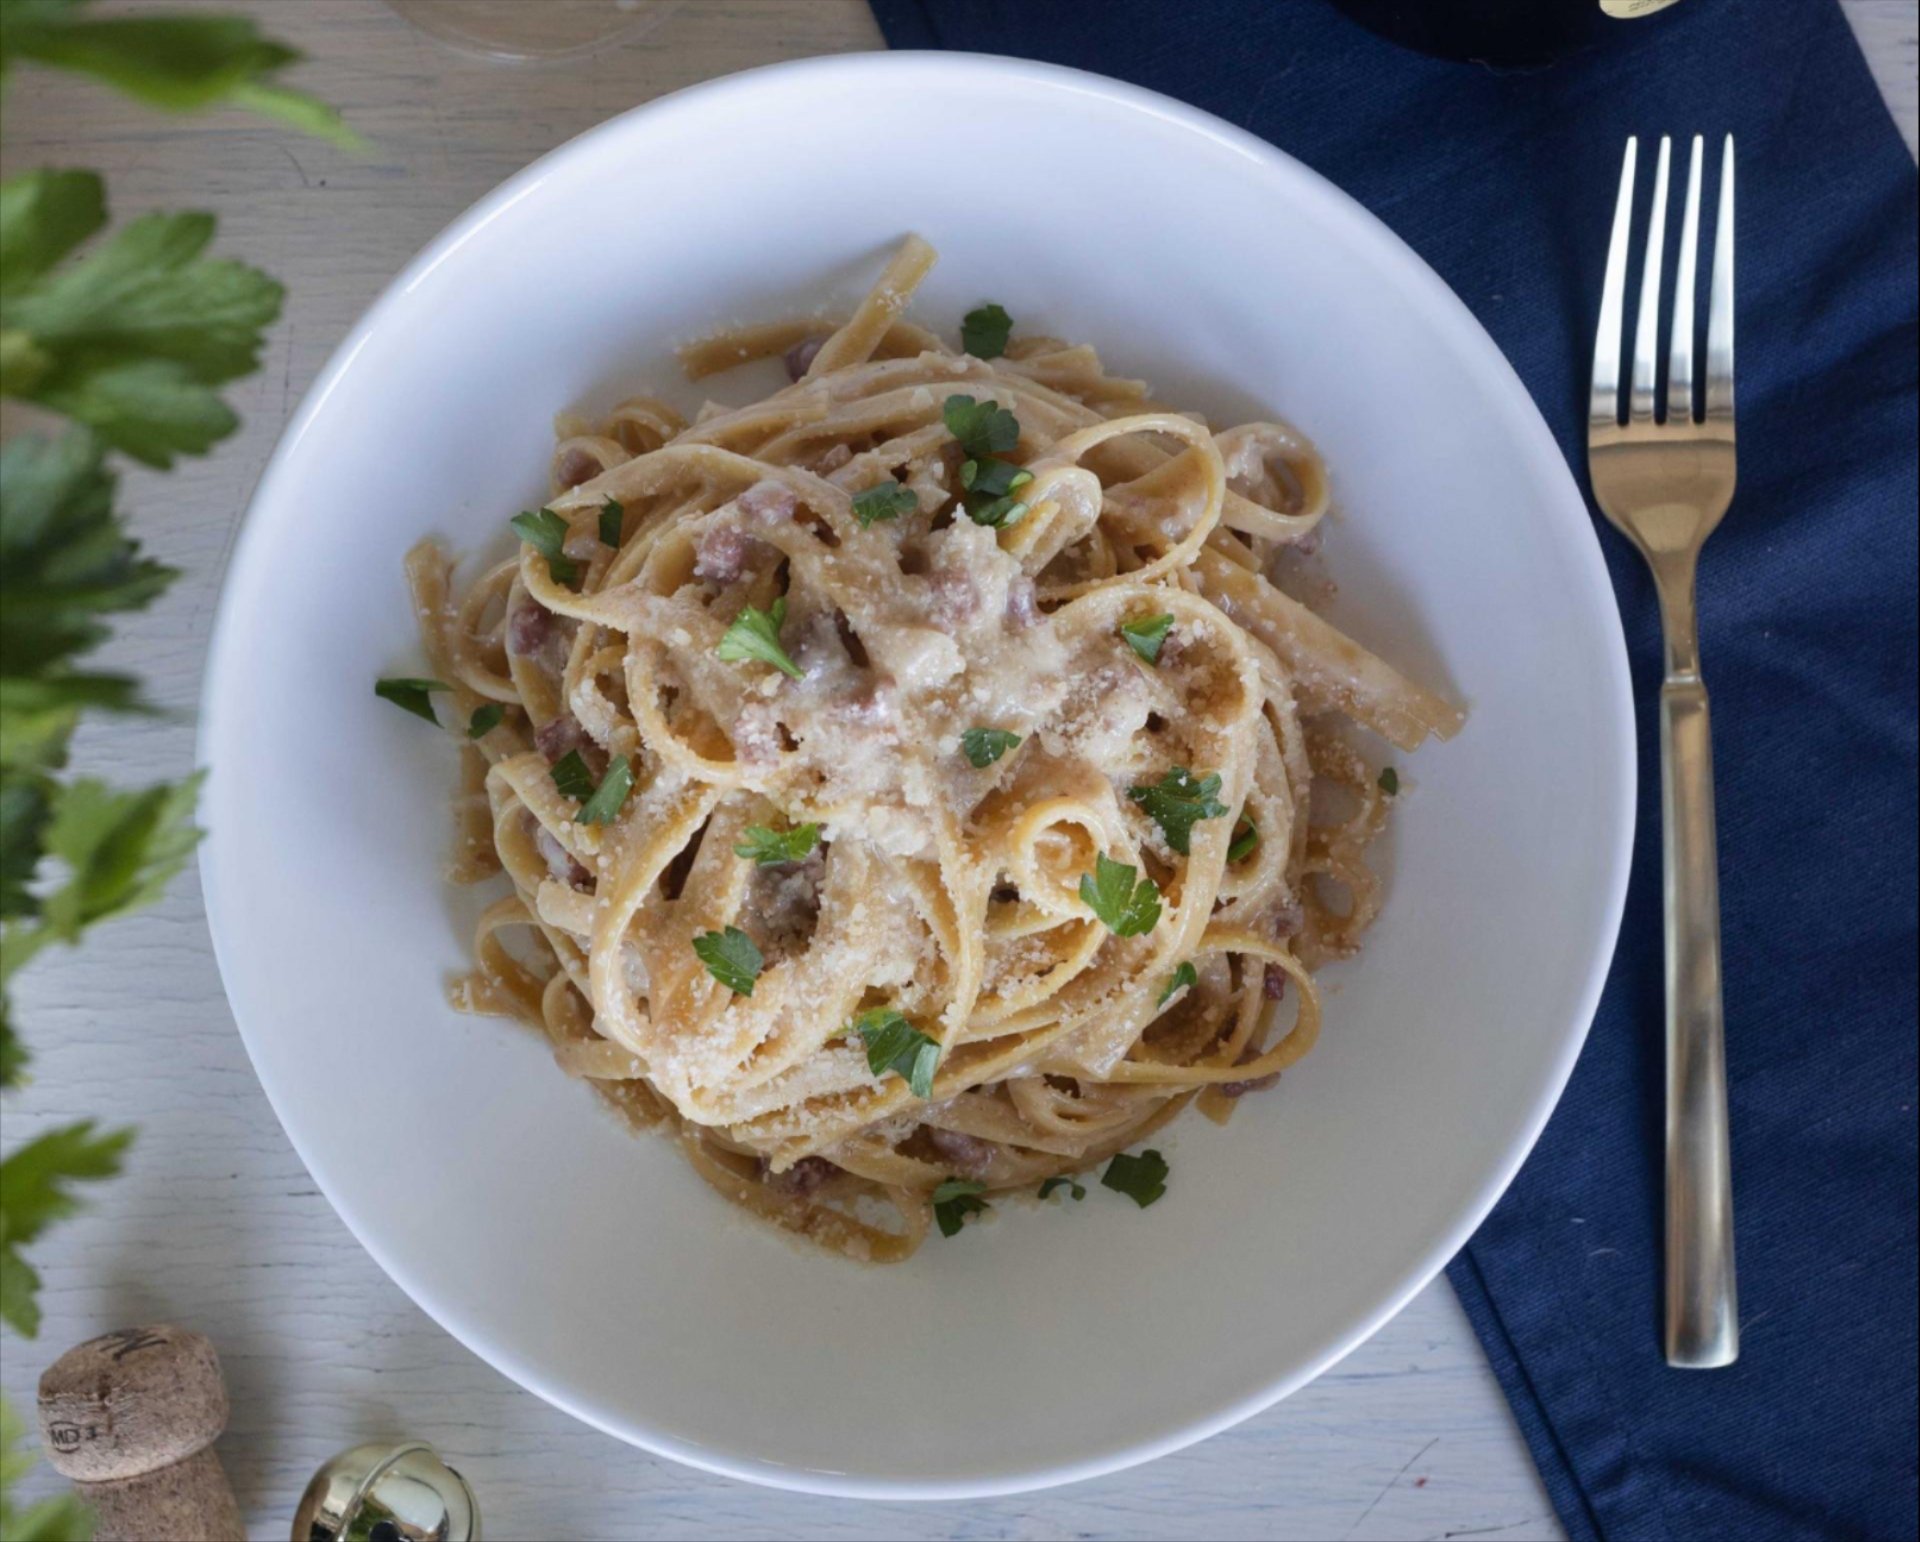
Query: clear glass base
[535, 29]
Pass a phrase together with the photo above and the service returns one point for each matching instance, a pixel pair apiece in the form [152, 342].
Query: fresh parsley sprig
[134, 337]
[770, 848]
[983, 746]
[894, 1044]
[954, 1201]
[1129, 909]
[1062, 1181]
[485, 719]
[1390, 781]
[1182, 978]
[985, 330]
[1177, 802]
[755, 634]
[179, 63]
[34, 1192]
[731, 957]
[131, 339]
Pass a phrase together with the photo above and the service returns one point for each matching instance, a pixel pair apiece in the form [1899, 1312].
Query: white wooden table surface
[216, 1224]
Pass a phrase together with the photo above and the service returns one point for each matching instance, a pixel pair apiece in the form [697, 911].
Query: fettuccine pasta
[904, 780]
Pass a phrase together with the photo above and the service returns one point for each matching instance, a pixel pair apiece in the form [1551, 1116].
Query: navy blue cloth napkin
[1505, 184]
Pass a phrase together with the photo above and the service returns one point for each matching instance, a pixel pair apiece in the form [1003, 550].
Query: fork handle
[1702, 1328]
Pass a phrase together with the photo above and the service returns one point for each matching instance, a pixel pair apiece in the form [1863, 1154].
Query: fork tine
[1680, 348]
[1646, 337]
[1720, 299]
[1603, 402]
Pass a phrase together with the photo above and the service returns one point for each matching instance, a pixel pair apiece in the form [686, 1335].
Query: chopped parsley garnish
[983, 746]
[485, 719]
[1142, 1178]
[731, 958]
[755, 634]
[988, 487]
[612, 514]
[884, 500]
[983, 428]
[1177, 802]
[609, 795]
[894, 1044]
[546, 532]
[410, 695]
[1390, 782]
[573, 776]
[1246, 838]
[954, 1201]
[984, 332]
[1185, 975]
[996, 513]
[1145, 634]
[1062, 1181]
[769, 847]
[1129, 909]
[992, 477]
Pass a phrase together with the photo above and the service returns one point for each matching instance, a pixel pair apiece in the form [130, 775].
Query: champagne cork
[131, 1418]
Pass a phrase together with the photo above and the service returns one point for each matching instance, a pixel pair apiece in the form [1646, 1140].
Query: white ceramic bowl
[1053, 1343]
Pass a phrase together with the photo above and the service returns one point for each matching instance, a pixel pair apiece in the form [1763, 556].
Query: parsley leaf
[992, 477]
[1177, 802]
[1246, 838]
[120, 850]
[546, 532]
[988, 485]
[612, 514]
[34, 1192]
[608, 796]
[485, 719]
[573, 777]
[65, 563]
[983, 428]
[1390, 781]
[894, 1044]
[1185, 976]
[998, 513]
[1062, 1181]
[1145, 634]
[180, 63]
[955, 1200]
[411, 695]
[1142, 1178]
[1129, 910]
[983, 746]
[755, 634]
[770, 848]
[731, 958]
[984, 332]
[884, 500]
[133, 337]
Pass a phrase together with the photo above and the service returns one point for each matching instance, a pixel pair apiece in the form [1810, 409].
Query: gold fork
[1665, 482]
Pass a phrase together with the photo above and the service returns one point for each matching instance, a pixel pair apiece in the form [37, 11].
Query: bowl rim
[1446, 311]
